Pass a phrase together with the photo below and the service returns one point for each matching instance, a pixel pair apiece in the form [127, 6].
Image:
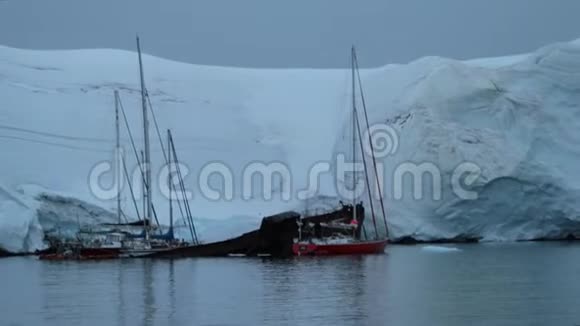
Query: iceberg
[504, 129]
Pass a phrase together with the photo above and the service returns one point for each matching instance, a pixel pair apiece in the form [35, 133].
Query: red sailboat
[343, 238]
[335, 249]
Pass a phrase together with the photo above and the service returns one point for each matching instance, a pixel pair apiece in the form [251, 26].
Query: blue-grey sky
[292, 33]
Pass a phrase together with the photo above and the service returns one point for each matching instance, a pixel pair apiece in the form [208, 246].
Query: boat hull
[99, 253]
[83, 254]
[137, 253]
[354, 248]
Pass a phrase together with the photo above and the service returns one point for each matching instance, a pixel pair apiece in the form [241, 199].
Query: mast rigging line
[170, 187]
[186, 203]
[356, 129]
[38, 141]
[163, 150]
[117, 155]
[145, 99]
[355, 62]
[354, 179]
[156, 125]
[131, 190]
[145, 95]
[367, 177]
[182, 187]
[147, 159]
[73, 139]
[135, 152]
[165, 154]
[124, 216]
[131, 138]
[53, 135]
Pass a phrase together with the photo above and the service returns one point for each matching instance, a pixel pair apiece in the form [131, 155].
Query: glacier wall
[514, 118]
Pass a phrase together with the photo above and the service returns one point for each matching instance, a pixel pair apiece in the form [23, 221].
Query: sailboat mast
[353, 138]
[147, 158]
[368, 183]
[357, 131]
[117, 157]
[144, 195]
[378, 181]
[169, 179]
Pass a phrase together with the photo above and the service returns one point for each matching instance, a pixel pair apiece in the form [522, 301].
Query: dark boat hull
[239, 245]
[274, 237]
[99, 253]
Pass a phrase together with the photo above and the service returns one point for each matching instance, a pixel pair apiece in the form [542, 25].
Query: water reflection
[307, 290]
[171, 291]
[148, 293]
[479, 285]
[121, 307]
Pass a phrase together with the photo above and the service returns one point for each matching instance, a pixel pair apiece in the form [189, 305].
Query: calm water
[515, 284]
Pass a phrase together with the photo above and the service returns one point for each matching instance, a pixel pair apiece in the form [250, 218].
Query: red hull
[356, 248]
[84, 254]
[65, 257]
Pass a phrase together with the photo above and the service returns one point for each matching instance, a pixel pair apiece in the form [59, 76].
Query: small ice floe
[236, 255]
[440, 249]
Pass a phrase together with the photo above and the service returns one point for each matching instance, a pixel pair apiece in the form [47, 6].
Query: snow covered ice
[439, 249]
[516, 118]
